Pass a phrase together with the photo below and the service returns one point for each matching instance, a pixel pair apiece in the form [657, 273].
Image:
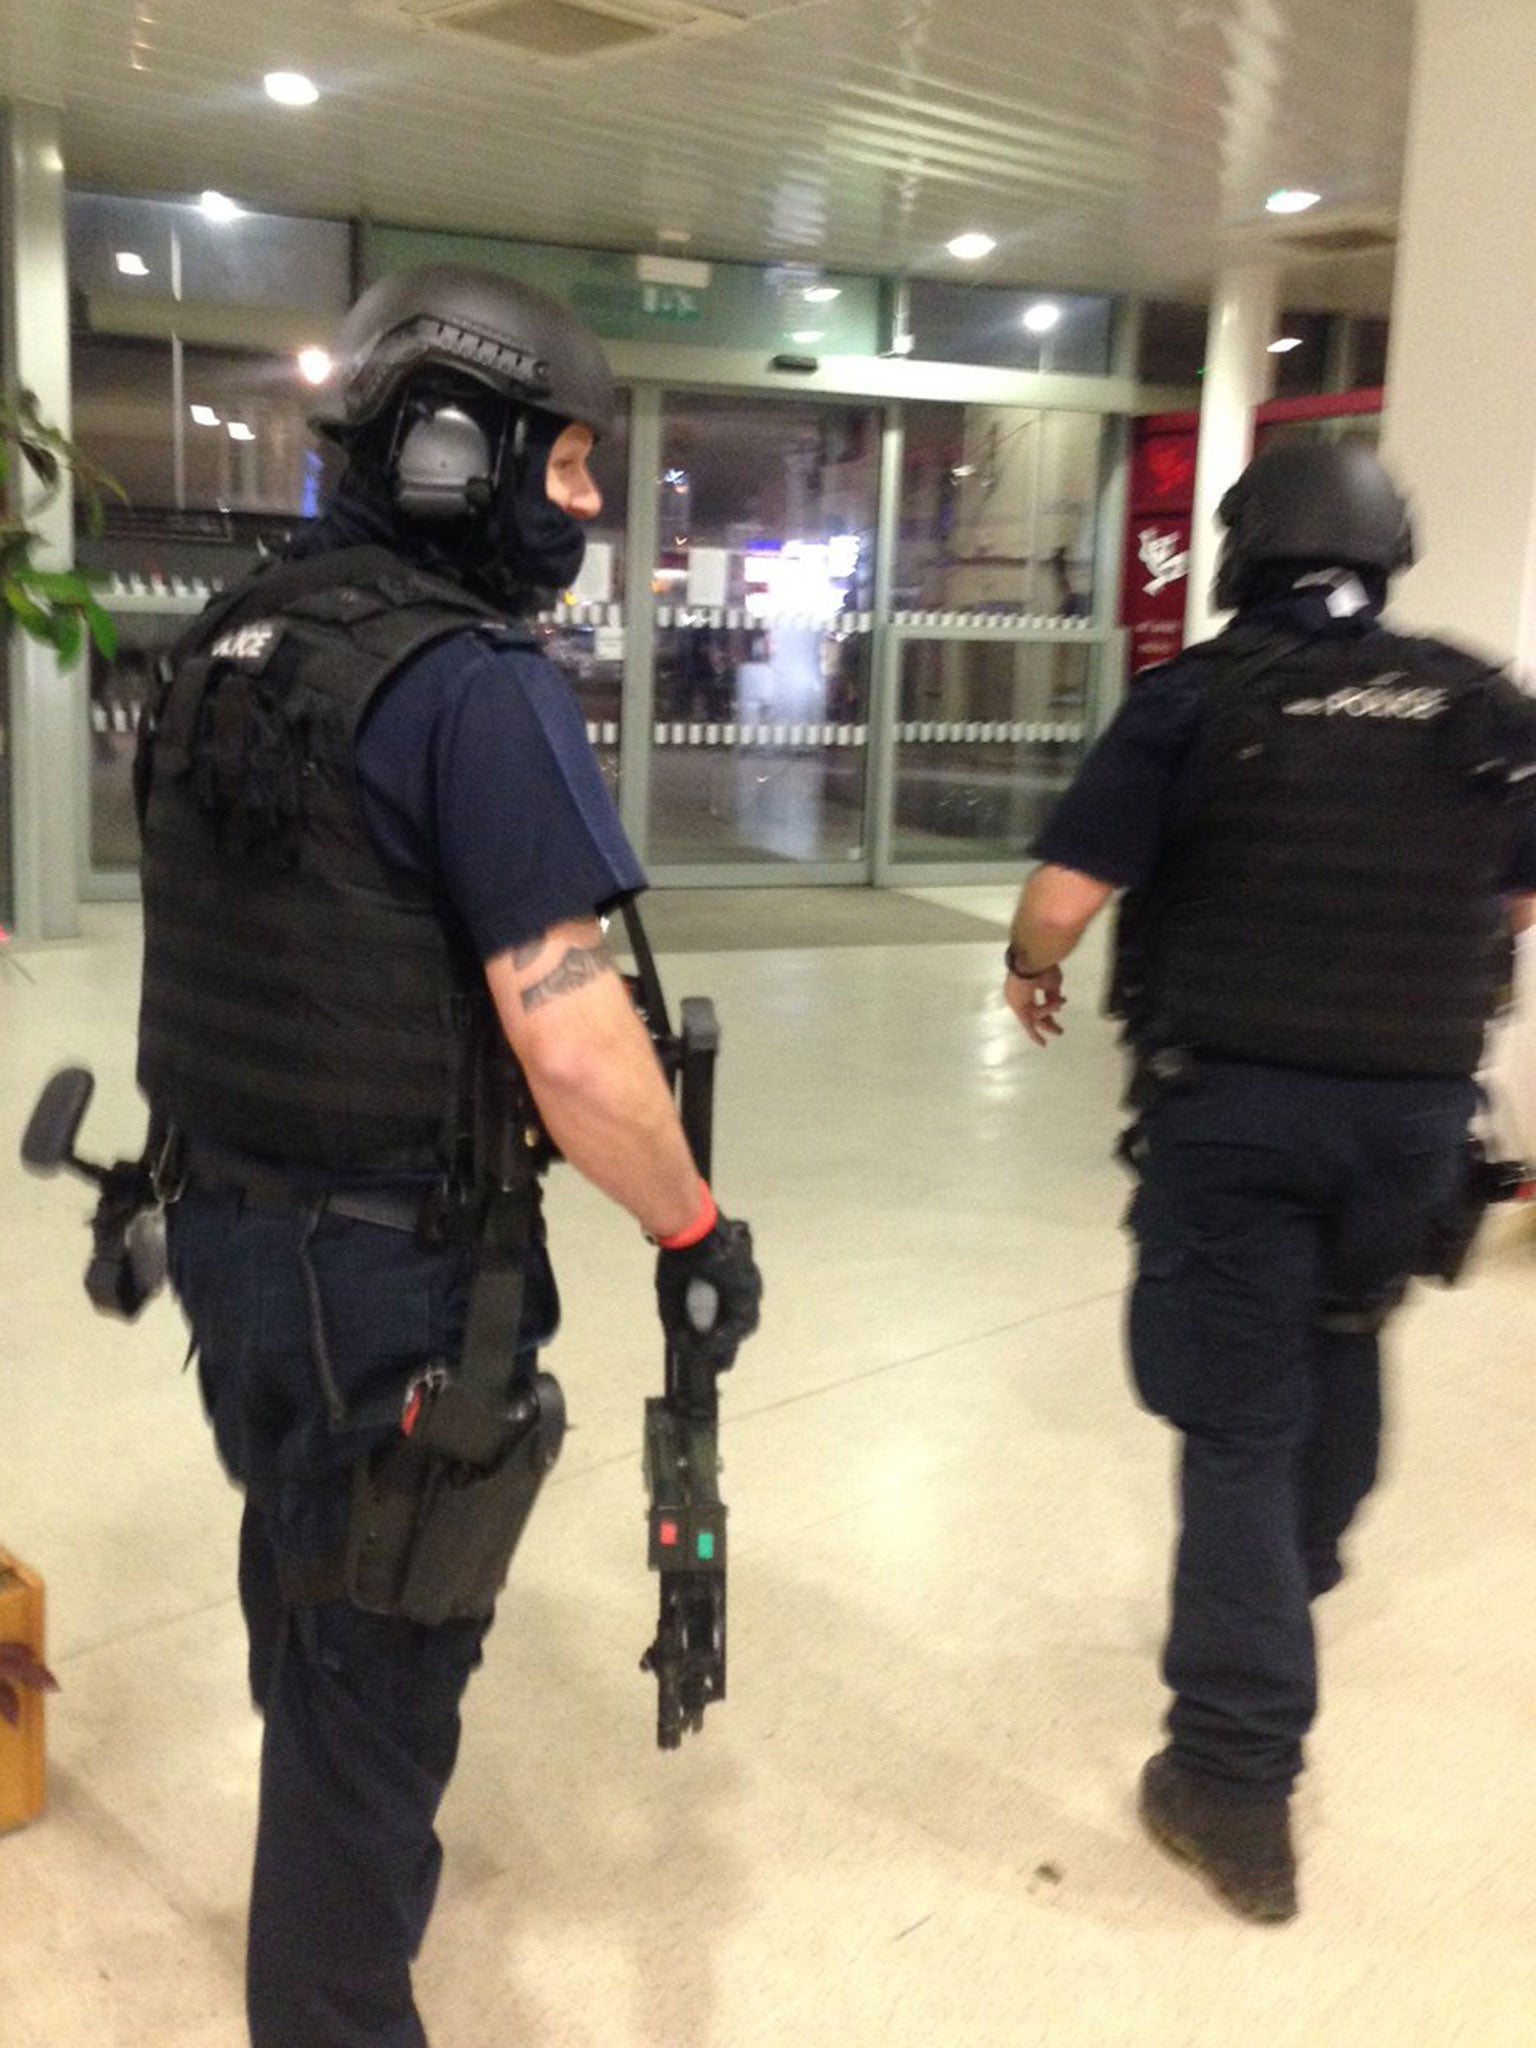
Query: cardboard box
[21, 1748]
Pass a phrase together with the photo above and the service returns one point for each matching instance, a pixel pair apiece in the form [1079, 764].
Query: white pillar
[1461, 394]
[1238, 374]
[47, 714]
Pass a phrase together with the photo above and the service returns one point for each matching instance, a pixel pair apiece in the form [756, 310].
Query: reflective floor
[912, 1821]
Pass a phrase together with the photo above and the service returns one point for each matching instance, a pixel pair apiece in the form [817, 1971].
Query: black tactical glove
[708, 1294]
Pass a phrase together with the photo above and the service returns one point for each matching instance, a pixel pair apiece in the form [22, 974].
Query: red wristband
[702, 1224]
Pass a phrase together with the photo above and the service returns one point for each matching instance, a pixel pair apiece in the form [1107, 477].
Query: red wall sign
[1156, 578]
[1155, 583]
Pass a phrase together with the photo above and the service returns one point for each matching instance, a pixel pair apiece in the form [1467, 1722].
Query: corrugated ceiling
[1122, 144]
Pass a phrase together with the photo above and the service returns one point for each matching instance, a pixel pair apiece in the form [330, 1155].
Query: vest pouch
[437, 1514]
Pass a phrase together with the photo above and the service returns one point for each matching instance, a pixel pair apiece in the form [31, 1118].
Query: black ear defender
[443, 468]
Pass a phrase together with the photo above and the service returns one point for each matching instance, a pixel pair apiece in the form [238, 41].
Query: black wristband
[1017, 967]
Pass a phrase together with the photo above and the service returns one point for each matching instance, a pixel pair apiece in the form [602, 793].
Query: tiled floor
[912, 1821]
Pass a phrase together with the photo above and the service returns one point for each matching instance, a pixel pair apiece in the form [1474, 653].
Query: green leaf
[42, 461]
[63, 586]
[68, 636]
[103, 629]
[33, 617]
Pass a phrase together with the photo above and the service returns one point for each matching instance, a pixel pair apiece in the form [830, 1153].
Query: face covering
[541, 546]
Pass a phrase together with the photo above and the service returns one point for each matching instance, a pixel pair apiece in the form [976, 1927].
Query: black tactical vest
[302, 1001]
[1332, 899]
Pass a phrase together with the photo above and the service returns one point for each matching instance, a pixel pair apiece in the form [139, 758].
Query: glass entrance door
[763, 596]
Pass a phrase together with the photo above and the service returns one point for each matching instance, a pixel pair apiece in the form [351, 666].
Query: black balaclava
[513, 554]
[542, 546]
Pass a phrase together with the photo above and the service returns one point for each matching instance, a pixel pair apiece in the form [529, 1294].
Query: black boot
[1242, 1846]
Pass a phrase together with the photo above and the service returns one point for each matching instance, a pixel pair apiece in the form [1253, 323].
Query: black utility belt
[388, 1208]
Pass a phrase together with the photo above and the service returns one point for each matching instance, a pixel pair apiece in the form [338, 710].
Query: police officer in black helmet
[377, 848]
[1323, 828]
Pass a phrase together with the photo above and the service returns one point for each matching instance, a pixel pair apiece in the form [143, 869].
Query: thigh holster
[437, 1514]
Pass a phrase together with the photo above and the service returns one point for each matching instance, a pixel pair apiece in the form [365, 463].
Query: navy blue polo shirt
[476, 772]
[1134, 788]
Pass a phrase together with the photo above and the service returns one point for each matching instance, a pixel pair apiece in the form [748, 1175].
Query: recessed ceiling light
[821, 294]
[675, 238]
[130, 264]
[291, 88]
[239, 431]
[1287, 201]
[204, 416]
[217, 207]
[971, 248]
[314, 364]
[1042, 317]
[804, 336]
[1285, 344]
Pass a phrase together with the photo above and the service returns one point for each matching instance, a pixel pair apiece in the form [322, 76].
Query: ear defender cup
[444, 468]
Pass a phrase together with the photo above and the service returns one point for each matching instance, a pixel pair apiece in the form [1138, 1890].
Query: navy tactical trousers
[1276, 1208]
[308, 1332]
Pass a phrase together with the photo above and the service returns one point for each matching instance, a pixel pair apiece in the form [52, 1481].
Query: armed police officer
[377, 848]
[1321, 825]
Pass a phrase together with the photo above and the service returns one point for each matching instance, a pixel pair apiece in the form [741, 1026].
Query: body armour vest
[303, 1002]
[1332, 900]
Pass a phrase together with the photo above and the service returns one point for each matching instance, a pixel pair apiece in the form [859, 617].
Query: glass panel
[1006, 329]
[119, 691]
[1303, 371]
[245, 443]
[999, 512]
[584, 636]
[254, 259]
[988, 734]
[1170, 344]
[763, 585]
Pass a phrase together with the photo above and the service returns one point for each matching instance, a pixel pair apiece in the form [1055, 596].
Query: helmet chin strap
[1345, 593]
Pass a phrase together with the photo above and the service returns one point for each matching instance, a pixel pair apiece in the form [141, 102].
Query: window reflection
[245, 445]
[999, 512]
[1004, 328]
[763, 587]
[160, 249]
[987, 737]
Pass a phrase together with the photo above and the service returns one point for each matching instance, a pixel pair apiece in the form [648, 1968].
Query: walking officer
[1320, 825]
[376, 851]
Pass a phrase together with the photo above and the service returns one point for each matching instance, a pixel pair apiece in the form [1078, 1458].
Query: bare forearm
[1054, 911]
[595, 1077]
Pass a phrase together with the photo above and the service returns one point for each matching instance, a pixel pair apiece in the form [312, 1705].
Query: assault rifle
[682, 1460]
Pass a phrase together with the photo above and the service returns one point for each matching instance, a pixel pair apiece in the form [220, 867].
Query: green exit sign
[669, 302]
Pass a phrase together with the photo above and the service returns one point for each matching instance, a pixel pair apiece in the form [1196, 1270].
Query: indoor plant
[53, 605]
[24, 1678]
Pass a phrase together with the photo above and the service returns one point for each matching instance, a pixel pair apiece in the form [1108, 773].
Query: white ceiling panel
[1123, 144]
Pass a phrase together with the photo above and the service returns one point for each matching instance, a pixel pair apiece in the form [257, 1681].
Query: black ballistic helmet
[514, 340]
[1316, 503]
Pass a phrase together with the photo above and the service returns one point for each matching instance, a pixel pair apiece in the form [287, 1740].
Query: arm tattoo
[580, 965]
[525, 954]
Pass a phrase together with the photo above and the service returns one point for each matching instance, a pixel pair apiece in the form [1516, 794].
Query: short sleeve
[1117, 812]
[475, 770]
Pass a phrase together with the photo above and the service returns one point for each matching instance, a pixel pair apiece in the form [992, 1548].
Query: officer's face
[568, 481]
